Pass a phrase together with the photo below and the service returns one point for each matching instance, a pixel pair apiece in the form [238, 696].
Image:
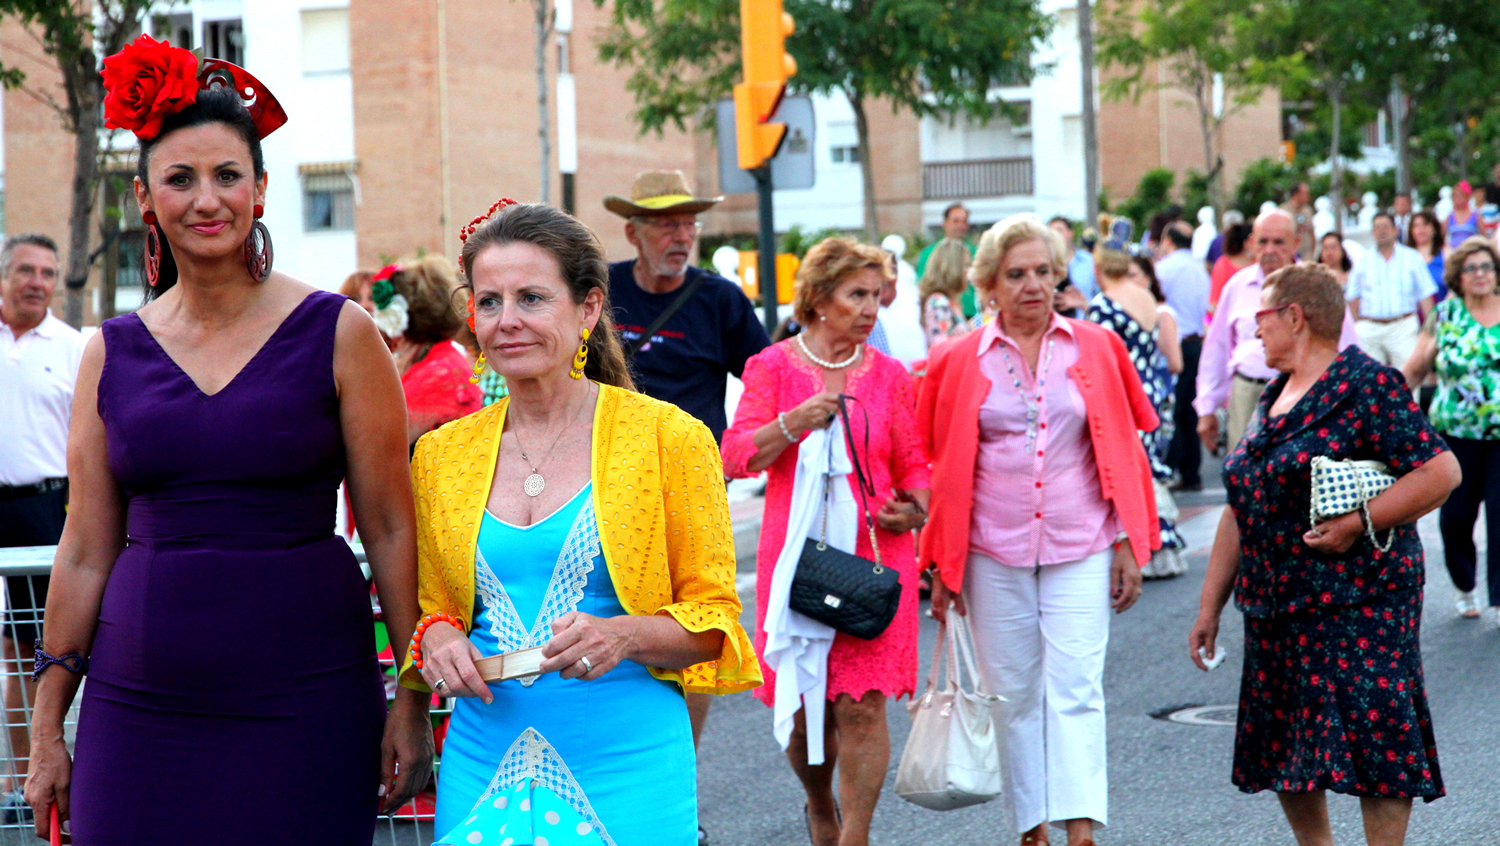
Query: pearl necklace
[829, 365]
[1033, 406]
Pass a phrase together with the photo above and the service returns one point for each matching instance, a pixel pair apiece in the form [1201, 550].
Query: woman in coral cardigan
[1045, 517]
[586, 519]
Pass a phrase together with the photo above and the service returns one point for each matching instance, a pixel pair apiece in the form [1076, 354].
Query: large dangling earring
[152, 258]
[258, 252]
[478, 368]
[581, 358]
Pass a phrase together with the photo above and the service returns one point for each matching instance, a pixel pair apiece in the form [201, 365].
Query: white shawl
[797, 646]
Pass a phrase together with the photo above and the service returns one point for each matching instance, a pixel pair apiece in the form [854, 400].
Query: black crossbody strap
[661, 319]
[862, 474]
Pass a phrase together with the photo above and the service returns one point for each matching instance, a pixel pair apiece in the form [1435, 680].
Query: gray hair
[25, 239]
[1232, 217]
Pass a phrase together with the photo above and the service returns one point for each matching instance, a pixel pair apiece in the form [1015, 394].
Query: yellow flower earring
[581, 358]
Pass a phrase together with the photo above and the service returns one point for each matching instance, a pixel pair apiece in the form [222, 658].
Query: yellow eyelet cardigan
[663, 524]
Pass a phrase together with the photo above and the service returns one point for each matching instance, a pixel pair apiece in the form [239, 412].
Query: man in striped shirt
[1386, 291]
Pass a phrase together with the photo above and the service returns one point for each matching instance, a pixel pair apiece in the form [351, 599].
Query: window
[845, 154]
[176, 30]
[325, 41]
[225, 40]
[328, 201]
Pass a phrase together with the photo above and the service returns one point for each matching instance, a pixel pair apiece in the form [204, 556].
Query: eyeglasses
[671, 225]
[1266, 312]
[1485, 269]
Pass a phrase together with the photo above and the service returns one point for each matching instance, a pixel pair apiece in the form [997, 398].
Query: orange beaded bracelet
[416, 639]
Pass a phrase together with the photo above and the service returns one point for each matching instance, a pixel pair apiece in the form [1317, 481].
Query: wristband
[416, 639]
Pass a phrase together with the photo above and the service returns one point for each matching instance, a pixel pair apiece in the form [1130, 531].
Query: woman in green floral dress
[1461, 341]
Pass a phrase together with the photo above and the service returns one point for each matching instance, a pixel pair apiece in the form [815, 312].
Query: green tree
[937, 58]
[1207, 49]
[1345, 52]
[77, 34]
[1153, 194]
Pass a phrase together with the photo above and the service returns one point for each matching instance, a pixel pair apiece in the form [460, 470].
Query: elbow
[709, 646]
[1453, 476]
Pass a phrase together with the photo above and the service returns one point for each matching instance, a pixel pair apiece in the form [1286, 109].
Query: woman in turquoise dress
[577, 516]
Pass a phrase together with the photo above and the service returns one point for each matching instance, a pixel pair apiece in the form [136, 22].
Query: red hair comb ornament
[473, 225]
[150, 80]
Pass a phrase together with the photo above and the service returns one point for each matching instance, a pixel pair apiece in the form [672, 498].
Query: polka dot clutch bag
[1342, 486]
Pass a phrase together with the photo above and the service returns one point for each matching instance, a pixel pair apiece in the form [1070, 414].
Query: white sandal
[1468, 604]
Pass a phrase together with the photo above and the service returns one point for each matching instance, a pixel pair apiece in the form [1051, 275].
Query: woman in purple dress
[233, 695]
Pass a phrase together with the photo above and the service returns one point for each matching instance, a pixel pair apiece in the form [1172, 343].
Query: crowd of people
[533, 445]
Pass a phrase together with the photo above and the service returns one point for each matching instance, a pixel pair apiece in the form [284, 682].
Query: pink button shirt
[1040, 504]
[1231, 347]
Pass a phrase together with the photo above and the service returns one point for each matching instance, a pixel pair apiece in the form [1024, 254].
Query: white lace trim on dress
[564, 590]
[532, 757]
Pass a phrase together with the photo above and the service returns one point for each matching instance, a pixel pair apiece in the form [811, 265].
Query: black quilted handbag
[851, 594]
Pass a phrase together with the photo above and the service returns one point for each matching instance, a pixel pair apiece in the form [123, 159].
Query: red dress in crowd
[438, 389]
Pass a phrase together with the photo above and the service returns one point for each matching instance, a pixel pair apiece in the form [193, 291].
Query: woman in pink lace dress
[791, 389]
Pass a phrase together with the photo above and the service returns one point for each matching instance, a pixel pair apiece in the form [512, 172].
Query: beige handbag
[952, 756]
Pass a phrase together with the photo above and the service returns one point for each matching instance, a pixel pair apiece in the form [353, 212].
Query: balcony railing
[976, 178]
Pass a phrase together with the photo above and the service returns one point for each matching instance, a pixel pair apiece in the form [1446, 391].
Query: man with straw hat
[685, 329]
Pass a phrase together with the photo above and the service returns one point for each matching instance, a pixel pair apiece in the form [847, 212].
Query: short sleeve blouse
[1358, 409]
[1467, 402]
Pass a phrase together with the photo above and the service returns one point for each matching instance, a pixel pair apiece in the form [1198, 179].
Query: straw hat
[658, 192]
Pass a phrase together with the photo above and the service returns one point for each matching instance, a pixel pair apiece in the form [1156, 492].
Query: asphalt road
[1169, 782]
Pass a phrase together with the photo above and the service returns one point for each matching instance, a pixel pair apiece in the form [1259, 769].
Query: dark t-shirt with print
[686, 362]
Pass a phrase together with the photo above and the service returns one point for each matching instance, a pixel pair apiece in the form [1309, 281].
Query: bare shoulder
[93, 358]
[1137, 297]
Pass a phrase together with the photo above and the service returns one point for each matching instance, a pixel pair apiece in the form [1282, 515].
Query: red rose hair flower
[146, 82]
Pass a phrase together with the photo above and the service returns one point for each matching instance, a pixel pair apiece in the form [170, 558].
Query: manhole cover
[1204, 715]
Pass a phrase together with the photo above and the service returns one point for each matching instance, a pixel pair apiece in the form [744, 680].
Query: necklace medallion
[534, 485]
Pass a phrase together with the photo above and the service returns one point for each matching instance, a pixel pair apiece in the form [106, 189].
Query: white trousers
[1040, 635]
[1389, 343]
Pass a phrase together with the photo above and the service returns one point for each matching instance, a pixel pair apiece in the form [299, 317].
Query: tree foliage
[931, 57]
[76, 34]
[1203, 45]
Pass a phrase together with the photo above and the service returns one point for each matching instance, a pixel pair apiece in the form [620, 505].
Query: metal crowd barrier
[21, 569]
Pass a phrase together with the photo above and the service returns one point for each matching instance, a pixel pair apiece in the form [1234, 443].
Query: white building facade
[299, 49]
[1032, 162]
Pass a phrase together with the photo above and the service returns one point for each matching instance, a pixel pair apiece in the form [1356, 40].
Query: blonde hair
[946, 269]
[827, 265]
[1112, 263]
[1001, 238]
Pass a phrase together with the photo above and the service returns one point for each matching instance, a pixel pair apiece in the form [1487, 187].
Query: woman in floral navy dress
[1331, 696]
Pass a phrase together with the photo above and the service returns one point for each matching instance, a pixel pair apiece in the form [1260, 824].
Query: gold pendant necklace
[534, 484]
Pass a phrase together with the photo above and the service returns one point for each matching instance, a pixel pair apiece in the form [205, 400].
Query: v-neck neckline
[246, 366]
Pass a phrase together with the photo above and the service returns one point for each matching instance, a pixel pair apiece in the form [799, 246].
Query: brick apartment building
[408, 117]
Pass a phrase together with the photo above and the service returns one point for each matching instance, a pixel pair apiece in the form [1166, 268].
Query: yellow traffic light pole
[767, 66]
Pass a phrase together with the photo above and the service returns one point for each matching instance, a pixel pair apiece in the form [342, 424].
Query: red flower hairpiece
[149, 80]
[385, 273]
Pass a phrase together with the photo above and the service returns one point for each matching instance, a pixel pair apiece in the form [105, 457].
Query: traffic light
[763, 31]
